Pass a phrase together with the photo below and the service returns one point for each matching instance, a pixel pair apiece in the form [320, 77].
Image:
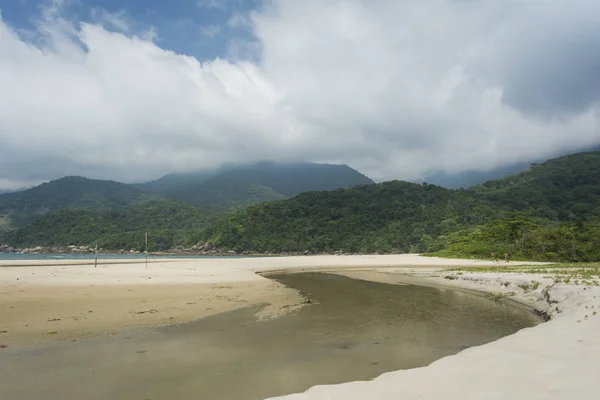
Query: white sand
[559, 359]
[109, 272]
[555, 360]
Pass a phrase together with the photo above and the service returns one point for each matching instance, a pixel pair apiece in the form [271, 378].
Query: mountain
[170, 182]
[81, 211]
[388, 217]
[564, 188]
[467, 179]
[169, 224]
[560, 195]
[236, 187]
[68, 193]
[4, 191]
[549, 212]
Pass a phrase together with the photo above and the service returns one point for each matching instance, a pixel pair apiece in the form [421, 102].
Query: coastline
[54, 300]
[554, 360]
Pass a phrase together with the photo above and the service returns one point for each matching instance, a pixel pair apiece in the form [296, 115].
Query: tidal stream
[354, 330]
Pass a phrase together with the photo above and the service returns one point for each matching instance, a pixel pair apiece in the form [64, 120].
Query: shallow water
[102, 256]
[356, 331]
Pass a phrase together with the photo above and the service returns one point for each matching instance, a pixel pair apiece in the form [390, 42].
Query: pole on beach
[146, 250]
[96, 259]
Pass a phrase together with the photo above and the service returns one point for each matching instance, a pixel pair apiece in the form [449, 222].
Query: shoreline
[85, 301]
[556, 359]
[553, 360]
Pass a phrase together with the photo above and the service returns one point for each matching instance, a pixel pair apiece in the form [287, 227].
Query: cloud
[213, 4]
[117, 21]
[210, 31]
[239, 20]
[394, 89]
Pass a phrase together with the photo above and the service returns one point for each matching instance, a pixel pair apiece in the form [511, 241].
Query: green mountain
[70, 192]
[560, 194]
[524, 236]
[552, 213]
[564, 188]
[470, 178]
[236, 187]
[173, 182]
[388, 217]
[80, 211]
[467, 179]
[169, 224]
[549, 212]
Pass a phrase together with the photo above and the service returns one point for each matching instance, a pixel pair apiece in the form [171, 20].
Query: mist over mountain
[235, 186]
[466, 179]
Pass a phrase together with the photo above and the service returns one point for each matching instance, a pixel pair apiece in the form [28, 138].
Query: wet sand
[354, 330]
[36, 314]
[555, 360]
[50, 300]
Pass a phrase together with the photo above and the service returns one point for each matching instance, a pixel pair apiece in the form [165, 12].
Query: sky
[130, 90]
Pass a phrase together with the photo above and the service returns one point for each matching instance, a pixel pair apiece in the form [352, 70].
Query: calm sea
[19, 256]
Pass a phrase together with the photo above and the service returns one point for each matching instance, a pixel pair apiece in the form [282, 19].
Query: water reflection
[356, 331]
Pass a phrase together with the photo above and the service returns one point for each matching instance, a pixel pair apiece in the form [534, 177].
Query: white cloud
[210, 31]
[392, 88]
[114, 20]
[239, 20]
[213, 4]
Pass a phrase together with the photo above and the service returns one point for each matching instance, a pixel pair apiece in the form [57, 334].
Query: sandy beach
[58, 301]
[554, 361]
[52, 301]
[42, 301]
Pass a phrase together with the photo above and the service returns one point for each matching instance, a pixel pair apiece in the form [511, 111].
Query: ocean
[102, 256]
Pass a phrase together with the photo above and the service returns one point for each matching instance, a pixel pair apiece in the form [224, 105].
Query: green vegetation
[546, 213]
[222, 197]
[240, 186]
[562, 189]
[549, 212]
[79, 211]
[68, 193]
[587, 274]
[169, 224]
[390, 217]
[526, 238]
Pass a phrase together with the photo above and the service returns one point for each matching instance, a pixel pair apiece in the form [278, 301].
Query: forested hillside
[68, 193]
[236, 187]
[558, 200]
[563, 189]
[549, 212]
[168, 223]
[80, 211]
[389, 217]
[524, 236]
